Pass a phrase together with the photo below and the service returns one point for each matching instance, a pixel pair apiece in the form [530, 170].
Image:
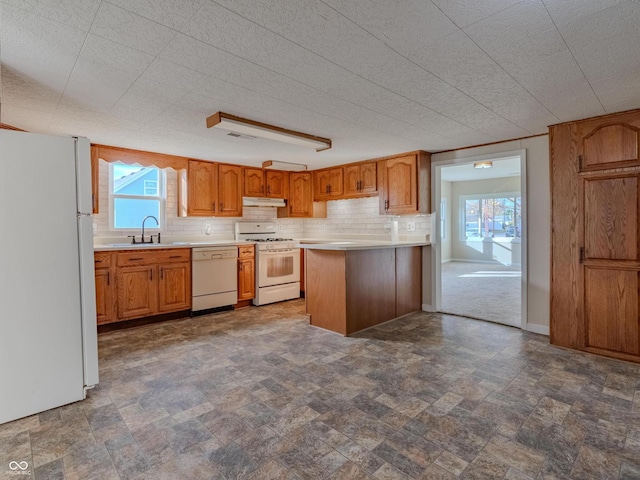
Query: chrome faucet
[157, 223]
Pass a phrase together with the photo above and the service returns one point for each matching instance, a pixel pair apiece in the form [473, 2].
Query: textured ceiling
[378, 77]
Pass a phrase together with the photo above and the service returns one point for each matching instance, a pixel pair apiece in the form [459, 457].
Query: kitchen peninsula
[356, 285]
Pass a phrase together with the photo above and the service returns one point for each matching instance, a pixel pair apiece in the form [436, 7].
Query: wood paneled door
[202, 189]
[253, 182]
[595, 174]
[277, 183]
[229, 190]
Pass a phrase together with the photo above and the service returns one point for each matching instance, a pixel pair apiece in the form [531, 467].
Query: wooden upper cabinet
[253, 182]
[229, 191]
[277, 183]
[300, 195]
[328, 183]
[612, 145]
[360, 180]
[404, 186]
[202, 188]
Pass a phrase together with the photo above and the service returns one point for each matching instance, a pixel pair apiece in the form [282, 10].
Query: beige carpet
[485, 291]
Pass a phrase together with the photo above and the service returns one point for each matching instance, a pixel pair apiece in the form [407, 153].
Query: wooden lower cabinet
[137, 292]
[105, 288]
[137, 283]
[174, 287]
[246, 273]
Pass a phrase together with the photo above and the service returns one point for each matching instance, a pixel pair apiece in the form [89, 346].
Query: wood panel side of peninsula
[351, 290]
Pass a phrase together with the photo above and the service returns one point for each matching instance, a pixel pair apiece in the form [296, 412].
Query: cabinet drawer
[246, 251]
[102, 259]
[133, 258]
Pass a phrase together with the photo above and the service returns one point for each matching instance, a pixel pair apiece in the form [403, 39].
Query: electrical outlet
[280, 228]
[207, 229]
[411, 226]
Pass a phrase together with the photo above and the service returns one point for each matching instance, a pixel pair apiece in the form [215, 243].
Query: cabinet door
[229, 191]
[300, 195]
[202, 188]
[277, 184]
[253, 182]
[137, 291]
[104, 296]
[328, 184]
[174, 287]
[352, 180]
[610, 260]
[336, 182]
[246, 279]
[612, 145]
[399, 187]
[322, 184]
[368, 178]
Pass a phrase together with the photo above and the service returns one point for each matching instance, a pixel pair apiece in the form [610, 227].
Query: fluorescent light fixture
[486, 164]
[291, 167]
[244, 126]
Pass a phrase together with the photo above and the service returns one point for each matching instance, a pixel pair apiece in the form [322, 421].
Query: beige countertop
[323, 244]
[155, 246]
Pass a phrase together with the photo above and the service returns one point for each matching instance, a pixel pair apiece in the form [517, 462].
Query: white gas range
[277, 262]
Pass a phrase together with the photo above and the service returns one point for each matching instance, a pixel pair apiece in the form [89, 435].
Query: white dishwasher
[214, 277]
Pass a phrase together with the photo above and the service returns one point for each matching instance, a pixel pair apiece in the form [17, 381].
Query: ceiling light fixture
[264, 130]
[483, 164]
[291, 167]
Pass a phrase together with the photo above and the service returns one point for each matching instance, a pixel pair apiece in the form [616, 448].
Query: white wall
[474, 249]
[539, 220]
[344, 217]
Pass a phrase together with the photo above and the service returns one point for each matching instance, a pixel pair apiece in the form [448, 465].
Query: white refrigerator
[48, 333]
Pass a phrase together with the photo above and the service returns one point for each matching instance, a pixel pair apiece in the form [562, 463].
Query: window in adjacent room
[134, 193]
[493, 215]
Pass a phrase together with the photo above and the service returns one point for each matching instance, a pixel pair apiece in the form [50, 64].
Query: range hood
[262, 202]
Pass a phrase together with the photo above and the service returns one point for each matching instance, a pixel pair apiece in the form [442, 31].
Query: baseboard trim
[541, 329]
[428, 308]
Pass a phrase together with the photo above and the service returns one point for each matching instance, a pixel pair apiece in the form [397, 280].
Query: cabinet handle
[151, 274]
[98, 261]
[386, 205]
[175, 256]
[161, 273]
[108, 278]
[213, 207]
[135, 258]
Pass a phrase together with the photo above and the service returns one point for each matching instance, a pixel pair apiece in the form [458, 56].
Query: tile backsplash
[344, 217]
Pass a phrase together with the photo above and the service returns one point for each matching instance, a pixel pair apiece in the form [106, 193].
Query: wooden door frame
[436, 248]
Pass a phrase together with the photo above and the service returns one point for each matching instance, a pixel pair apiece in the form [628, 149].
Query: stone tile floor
[259, 394]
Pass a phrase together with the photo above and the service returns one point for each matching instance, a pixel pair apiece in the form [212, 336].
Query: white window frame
[478, 196]
[162, 197]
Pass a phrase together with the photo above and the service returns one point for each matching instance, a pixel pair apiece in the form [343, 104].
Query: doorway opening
[480, 245]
